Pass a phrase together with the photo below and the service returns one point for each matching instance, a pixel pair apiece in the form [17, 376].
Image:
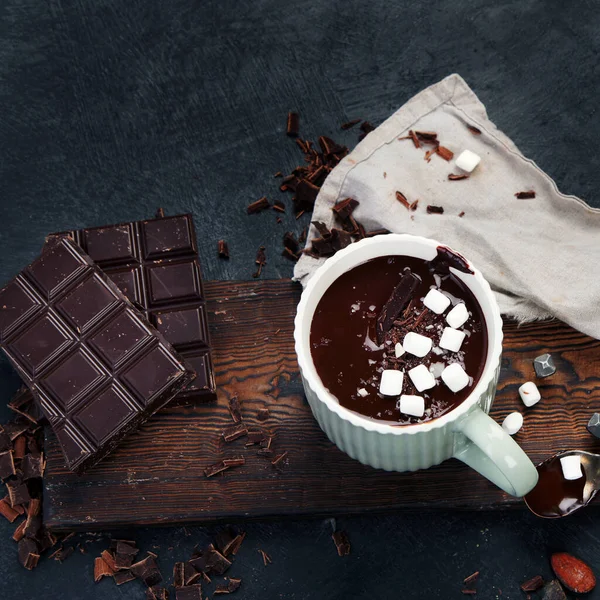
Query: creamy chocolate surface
[349, 355]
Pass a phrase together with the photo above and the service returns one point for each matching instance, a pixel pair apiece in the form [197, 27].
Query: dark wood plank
[156, 476]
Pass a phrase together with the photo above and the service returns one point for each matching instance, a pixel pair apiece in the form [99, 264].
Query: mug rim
[309, 372]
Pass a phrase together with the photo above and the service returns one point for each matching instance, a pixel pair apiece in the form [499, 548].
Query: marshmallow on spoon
[417, 344]
[436, 301]
[412, 405]
[571, 467]
[391, 382]
[454, 377]
[467, 161]
[422, 378]
[512, 423]
[452, 339]
[529, 393]
[458, 316]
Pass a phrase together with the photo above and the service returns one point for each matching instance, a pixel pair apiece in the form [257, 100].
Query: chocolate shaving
[435, 210]
[525, 195]
[234, 432]
[28, 553]
[223, 249]
[278, 459]
[260, 260]
[474, 130]
[471, 578]
[366, 128]
[350, 124]
[455, 177]
[266, 558]
[279, 206]
[445, 153]
[414, 205]
[306, 194]
[340, 539]
[19, 532]
[345, 208]
[9, 513]
[533, 584]
[398, 299]
[19, 447]
[429, 154]
[402, 199]
[293, 124]
[101, 569]
[258, 206]
[235, 409]
[232, 586]
[375, 232]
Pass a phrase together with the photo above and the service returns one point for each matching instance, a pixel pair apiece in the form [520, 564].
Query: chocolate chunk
[402, 199]
[293, 124]
[445, 153]
[533, 584]
[447, 258]
[266, 558]
[101, 569]
[553, 591]
[228, 541]
[109, 559]
[322, 229]
[123, 561]
[398, 299]
[306, 194]
[277, 460]
[33, 523]
[17, 492]
[230, 587]
[340, 539]
[19, 532]
[6, 510]
[260, 260]
[122, 577]
[318, 176]
[214, 469]
[474, 130]
[190, 575]
[7, 464]
[525, 195]
[215, 562]
[544, 365]
[262, 414]
[351, 124]
[78, 324]
[435, 210]
[147, 570]
[234, 432]
[155, 264]
[178, 574]
[290, 242]
[235, 545]
[157, 593]
[19, 447]
[192, 592]
[258, 206]
[455, 177]
[28, 553]
[223, 249]
[345, 208]
[126, 548]
[412, 135]
[32, 466]
[235, 409]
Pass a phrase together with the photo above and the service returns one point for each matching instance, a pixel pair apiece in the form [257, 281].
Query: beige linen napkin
[541, 256]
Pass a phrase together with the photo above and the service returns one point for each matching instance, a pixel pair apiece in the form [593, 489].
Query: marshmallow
[512, 423]
[454, 377]
[457, 316]
[529, 394]
[467, 161]
[417, 344]
[362, 392]
[452, 339]
[399, 350]
[422, 378]
[436, 301]
[412, 405]
[571, 467]
[391, 382]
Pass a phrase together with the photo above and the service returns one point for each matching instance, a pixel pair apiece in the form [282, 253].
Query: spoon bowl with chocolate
[399, 341]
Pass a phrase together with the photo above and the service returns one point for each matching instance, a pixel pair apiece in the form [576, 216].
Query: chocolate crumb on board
[287, 253]
[279, 206]
[525, 195]
[293, 124]
[234, 432]
[340, 539]
[350, 124]
[235, 409]
[258, 206]
[229, 541]
[344, 208]
[456, 177]
[223, 249]
[474, 130]
[147, 570]
[260, 260]
[233, 584]
[266, 558]
[279, 458]
[435, 210]
[461, 213]
[445, 153]
[402, 199]
[533, 584]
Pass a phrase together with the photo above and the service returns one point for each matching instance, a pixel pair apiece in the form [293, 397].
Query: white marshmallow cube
[391, 382]
[454, 377]
[399, 350]
[512, 423]
[412, 405]
[422, 378]
[458, 316]
[467, 161]
[436, 301]
[571, 467]
[529, 394]
[417, 344]
[452, 339]
[362, 392]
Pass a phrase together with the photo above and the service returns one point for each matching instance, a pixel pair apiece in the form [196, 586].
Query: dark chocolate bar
[155, 264]
[97, 368]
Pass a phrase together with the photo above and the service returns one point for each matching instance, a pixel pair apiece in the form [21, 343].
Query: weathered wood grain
[156, 476]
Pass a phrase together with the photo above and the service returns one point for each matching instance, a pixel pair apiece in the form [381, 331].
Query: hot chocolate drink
[400, 339]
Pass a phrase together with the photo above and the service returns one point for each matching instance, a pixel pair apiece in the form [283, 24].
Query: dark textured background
[111, 108]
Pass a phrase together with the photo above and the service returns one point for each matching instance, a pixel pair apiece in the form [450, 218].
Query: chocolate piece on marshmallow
[544, 365]
[454, 377]
[391, 382]
[422, 378]
[529, 393]
[417, 344]
[512, 423]
[452, 339]
[436, 301]
[412, 405]
[571, 467]
[399, 350]
[458, 316]
[467, 161]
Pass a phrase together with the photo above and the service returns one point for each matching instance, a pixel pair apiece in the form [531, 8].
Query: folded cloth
[540, 255]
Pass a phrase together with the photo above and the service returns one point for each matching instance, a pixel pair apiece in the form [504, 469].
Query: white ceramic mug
[466, 433]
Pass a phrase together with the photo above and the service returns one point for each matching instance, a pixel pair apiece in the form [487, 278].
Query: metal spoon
[554, 497]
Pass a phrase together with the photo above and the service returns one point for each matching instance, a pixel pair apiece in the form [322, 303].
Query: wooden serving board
[156, 475]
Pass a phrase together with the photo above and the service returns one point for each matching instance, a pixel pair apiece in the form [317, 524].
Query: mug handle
[486, 447]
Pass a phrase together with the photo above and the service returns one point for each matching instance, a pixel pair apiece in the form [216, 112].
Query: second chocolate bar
[155, 264]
